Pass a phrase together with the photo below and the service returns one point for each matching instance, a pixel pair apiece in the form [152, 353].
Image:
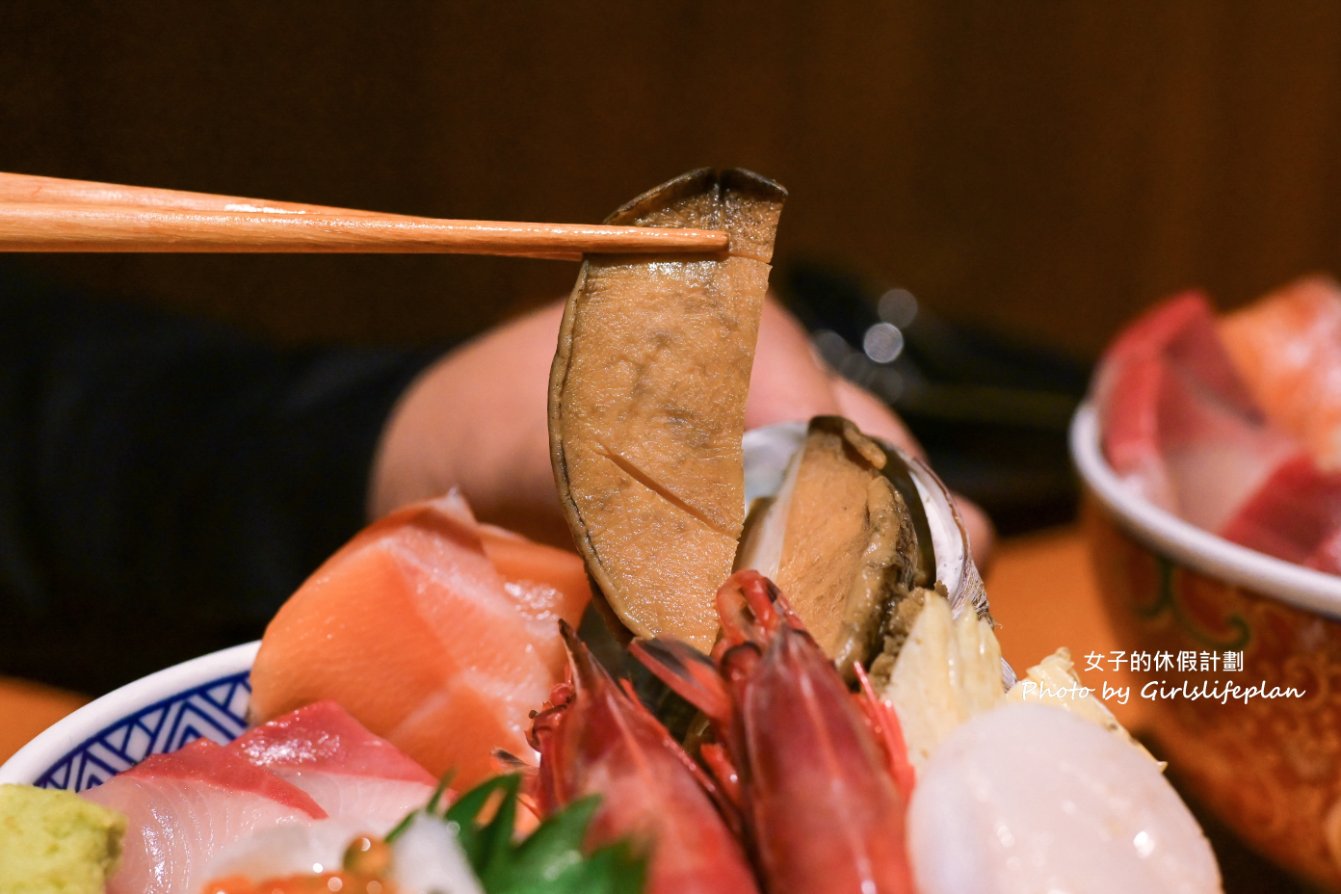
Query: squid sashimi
[182, 808]
[347, 770]
[416, 632]
[1288, 348]
[1028, 798]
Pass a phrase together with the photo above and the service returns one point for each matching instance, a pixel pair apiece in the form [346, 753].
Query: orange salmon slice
[437, 633]
[1287, 347]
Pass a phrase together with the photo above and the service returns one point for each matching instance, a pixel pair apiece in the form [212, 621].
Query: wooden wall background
[1047, 168]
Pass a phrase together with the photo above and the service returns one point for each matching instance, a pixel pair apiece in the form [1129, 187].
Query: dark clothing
[165, 483]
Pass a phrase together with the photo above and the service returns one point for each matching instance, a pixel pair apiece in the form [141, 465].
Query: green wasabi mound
[55, 842]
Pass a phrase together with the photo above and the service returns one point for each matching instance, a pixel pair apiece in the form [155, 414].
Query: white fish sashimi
[426, 857]
[1030, 798]
[181, 809]
[350, 772]
[375, 805]
[286, 850]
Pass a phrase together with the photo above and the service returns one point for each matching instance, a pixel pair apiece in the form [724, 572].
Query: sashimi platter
[1234, 423]
[769, 664]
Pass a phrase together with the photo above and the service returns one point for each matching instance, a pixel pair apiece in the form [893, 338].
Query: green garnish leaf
[431, 808]
[548, 861]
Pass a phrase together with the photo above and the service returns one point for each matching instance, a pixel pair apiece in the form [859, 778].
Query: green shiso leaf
[548, 861]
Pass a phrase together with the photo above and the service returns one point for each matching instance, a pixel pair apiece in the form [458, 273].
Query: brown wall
[1048, 168]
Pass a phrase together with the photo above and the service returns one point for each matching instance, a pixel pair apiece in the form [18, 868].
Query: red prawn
[599, 739]
[821, 778]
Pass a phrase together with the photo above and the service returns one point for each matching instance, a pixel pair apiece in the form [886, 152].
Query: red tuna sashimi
[1181, 330]
[1127, 396]
[1295, 515]
[416, 633]
[350, 772]
[1288, 348]
[182, 808]
[1178, 422]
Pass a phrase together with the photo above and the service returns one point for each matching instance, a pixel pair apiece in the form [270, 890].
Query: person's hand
[477, 419]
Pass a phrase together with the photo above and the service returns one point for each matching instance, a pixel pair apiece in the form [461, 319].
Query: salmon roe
[367, 862]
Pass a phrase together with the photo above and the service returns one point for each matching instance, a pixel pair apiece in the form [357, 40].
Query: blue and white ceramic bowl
[205, 697]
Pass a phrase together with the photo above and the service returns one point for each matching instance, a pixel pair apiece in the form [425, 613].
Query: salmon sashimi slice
[413, 629]
[1288, 348]
[182, 808]
[347, 770]
[545, 584]
[524, 561]
[1295, 515]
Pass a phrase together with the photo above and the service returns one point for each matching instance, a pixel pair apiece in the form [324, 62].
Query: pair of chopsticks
[48, 214]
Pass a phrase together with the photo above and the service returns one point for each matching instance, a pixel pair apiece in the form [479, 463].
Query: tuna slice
[182, 808]
[413, 629]
[837, 539]
[1295, 515]
[1288, 348]
[647, 404]
[1178, 422]
[348, 771]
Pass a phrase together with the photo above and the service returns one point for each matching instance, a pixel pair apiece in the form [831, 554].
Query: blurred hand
[477, 419]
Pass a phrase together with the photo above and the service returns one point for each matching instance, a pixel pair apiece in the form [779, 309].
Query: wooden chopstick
[56, 190]
[47, 214]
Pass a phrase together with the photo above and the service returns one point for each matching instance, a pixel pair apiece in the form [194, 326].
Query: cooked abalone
[647, 404]
[838, 539]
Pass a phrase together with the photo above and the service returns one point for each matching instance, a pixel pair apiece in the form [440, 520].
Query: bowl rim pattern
[59, 747]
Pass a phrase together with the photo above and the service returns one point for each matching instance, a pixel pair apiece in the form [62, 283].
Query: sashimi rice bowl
[1211, 458]
[769, 664]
